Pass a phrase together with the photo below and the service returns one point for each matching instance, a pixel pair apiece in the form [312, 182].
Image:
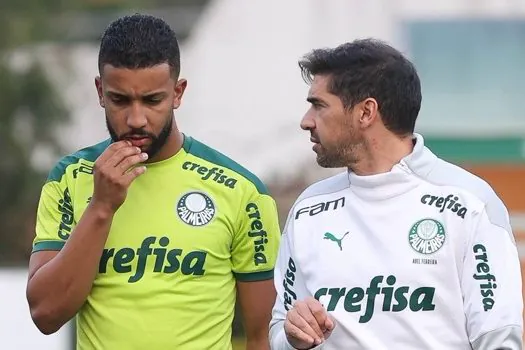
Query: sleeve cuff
[48, 245]
[510, 337]
[253, 276]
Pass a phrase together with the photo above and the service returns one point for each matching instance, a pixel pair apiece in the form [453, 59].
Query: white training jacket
[421, 257]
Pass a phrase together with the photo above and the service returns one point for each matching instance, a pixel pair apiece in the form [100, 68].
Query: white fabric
[421, 257]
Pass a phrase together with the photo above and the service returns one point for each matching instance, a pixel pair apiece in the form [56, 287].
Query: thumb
[329, 323]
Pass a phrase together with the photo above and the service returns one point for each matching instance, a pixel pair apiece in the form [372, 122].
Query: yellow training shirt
[191, 226]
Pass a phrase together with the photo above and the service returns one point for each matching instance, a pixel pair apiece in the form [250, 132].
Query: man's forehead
[140, 80]
[319, 86]
[162, 65]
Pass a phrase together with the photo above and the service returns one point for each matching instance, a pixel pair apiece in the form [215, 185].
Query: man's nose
[136, 118]
[307, 123]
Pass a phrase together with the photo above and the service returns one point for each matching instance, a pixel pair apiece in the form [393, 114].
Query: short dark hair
[370, 68]
[139, 41]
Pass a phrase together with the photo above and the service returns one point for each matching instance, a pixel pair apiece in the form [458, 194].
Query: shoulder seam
[86, 153]
[225, 162]
[471, 193]
[462, 189]
[424, 177]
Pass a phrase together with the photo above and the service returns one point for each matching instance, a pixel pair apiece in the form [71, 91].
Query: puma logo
[333, 238]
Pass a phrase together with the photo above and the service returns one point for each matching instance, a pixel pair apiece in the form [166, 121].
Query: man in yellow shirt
[149, 237]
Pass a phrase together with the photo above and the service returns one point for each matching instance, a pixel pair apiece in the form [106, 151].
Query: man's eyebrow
[314, 100]
[155, 94]
[114, 93]
[147, 95]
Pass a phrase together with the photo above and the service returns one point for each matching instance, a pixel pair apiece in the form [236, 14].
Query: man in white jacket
[403, 250]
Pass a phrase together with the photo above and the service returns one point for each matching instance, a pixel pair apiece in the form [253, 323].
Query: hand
[308, 324]
[113, 173]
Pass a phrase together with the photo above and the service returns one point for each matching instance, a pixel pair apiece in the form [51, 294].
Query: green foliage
[30, 111]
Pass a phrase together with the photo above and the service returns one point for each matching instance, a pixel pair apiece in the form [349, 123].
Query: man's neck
[381, 154]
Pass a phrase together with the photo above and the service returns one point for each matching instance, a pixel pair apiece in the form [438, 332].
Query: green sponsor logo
[65, 206]
[288, 283]
[450, 202]
[487, 281]
[427, 236]
[389, 298]
[153, 256]
[215, 174]
[321, 207]
[329, 236]
[258, 233]
[83, 168]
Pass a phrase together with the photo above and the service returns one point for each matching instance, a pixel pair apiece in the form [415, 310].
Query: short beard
[339, 158]
[157, 141]
[345, 154]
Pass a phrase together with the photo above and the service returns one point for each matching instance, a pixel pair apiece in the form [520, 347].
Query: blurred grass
[239, 343]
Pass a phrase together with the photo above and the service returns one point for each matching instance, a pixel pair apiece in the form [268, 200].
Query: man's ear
[100, 92]
[179, 88]
[369, 112]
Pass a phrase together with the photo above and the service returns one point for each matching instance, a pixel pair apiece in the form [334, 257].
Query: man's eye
[153, 101]
[119, 100]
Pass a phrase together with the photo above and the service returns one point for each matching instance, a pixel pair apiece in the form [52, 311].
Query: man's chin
[152, 151]
[323, 162]
[326, 162]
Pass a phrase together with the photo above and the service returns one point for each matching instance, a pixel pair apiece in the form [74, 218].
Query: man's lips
[316, 143]
[138, 141]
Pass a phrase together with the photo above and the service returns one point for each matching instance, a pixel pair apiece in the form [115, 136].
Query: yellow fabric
[190, 227]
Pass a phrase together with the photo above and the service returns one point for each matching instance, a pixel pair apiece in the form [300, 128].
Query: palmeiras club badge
[196, 208]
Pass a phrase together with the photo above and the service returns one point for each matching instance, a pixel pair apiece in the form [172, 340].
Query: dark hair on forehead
[370, 68]
[139, 41]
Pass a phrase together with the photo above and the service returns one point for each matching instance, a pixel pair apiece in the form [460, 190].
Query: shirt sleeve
[256, 242]
[55, 219]
[290, 287]
[491, 283]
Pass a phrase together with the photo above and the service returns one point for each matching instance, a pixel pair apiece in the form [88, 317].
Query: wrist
[100, 211]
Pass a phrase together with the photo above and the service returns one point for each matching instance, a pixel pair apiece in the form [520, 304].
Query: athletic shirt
[190, 227]
[420, 257]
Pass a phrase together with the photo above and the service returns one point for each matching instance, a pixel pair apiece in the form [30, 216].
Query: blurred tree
[30, 110]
